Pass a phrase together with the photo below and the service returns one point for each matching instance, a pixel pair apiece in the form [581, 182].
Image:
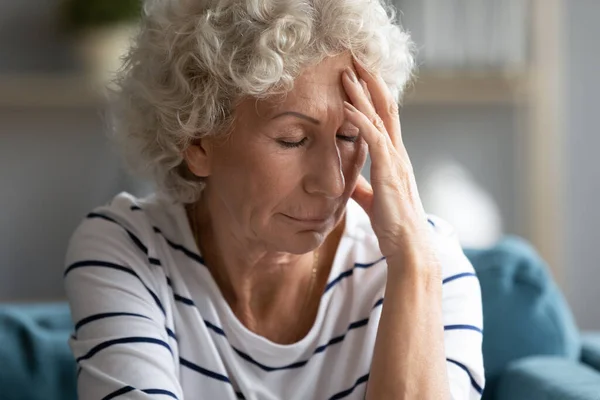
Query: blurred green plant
[89, 14]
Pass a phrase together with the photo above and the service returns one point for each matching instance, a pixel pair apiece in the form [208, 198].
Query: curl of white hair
[193, 60]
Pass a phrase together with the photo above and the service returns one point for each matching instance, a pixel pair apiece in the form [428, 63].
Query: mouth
[309, 220]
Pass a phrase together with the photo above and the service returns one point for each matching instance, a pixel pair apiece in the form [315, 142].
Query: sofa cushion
[524, 312]
[548, 378]
[35, 359]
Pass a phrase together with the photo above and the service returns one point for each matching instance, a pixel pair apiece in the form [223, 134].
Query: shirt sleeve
[121, 342]
[462, 315]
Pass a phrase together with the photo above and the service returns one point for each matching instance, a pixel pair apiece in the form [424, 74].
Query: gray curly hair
[192, 61]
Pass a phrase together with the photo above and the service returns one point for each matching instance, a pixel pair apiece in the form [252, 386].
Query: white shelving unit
[467, 88]
[544, 124]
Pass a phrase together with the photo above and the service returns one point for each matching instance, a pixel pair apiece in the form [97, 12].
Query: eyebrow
[298, 115]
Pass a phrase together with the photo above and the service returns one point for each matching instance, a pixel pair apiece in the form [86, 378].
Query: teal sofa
[532, 348]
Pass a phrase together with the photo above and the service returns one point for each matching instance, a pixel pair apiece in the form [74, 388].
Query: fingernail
[351, 75]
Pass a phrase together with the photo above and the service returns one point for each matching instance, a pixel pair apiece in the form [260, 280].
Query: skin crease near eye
[284, 176]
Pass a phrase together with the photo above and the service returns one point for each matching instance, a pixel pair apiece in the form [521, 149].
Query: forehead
[314, 90]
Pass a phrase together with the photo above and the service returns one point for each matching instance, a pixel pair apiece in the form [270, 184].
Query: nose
[325, 172]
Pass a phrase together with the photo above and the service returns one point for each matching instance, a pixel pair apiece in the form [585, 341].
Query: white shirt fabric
[150, 322]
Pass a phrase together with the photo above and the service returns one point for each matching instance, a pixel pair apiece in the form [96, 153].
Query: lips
[314, 218]
[310, 219]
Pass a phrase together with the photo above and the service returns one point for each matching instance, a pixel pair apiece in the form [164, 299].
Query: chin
[300, 242]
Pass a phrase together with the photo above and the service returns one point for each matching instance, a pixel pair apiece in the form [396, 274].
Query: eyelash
[292, 145]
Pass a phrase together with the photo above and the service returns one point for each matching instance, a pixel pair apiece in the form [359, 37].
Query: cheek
[263, 174]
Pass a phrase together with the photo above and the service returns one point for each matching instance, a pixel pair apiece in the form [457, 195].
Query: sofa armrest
[590, 349]
[548, 378]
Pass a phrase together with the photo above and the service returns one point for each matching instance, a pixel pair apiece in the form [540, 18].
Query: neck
[262, 287]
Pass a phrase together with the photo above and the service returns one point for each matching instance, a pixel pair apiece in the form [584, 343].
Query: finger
[363, 193]
[383, 102]
[366, 90]
[378, 142]
[359, 97]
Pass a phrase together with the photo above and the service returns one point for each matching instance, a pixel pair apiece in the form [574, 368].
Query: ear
[197, 157]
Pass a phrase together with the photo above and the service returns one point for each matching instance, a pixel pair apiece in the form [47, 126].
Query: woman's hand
[391, 200]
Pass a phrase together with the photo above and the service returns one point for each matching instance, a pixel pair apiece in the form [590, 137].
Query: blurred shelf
[429, 88]
[467, 88]
[48, 91]
[31, 301]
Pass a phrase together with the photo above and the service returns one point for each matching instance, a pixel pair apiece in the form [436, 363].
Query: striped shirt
[150, 322]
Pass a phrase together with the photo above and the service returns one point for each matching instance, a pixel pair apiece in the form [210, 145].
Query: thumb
[363, 193]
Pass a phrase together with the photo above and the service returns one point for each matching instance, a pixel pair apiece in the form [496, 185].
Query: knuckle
[377, 121]
[380, 141]
[393, 108]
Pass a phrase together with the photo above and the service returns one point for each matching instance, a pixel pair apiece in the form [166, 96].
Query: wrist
[418, 263]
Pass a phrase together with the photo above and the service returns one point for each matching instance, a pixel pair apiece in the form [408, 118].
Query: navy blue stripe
[179, 298]
[119, 392]
[265, 367]
[189, 253]
[458, 276]
[431, 222]
[106, 264]
[476, 386]
[156, 299]
[154, 261]
[98, 263]
[462, 327]
[171, 334]
[204, 371]
[127, 389]
[134, 238]
[215, 328]
[349, 272]
[160, 391]
[96, 317]
[379, 302]
[346, 392]
[134, 339]
[208, 373]
[183, 300]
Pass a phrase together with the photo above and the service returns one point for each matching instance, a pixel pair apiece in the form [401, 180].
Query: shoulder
[124, 231]
[446, 244]
[111, 260]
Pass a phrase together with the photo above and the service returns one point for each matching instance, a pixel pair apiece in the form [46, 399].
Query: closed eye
[351, 139]
[291, 145]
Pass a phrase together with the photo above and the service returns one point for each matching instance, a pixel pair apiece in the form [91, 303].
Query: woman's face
[283, 178]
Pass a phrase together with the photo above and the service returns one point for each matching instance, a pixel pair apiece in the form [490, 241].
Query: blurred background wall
[581, 152]
[474, 125]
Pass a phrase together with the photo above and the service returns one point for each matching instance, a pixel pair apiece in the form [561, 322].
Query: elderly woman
[265, 266]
